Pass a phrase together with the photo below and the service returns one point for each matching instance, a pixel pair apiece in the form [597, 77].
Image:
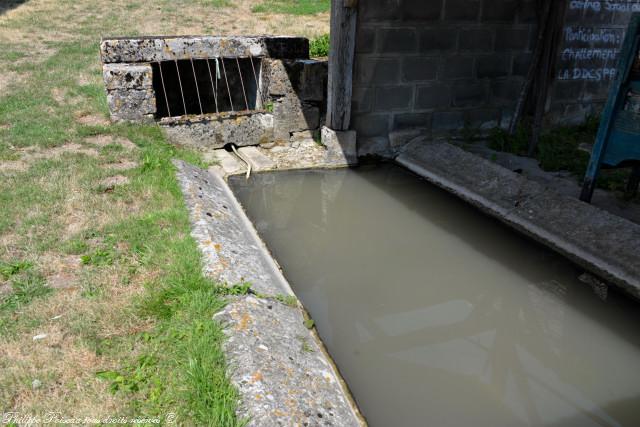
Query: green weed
[293, 7]
[319, 46]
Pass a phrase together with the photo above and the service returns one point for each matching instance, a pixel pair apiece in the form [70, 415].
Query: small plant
[243, 288]
[8, 269]
[319, 46]
[309, 323]
[288, 300]
[100, 257]
[268, 106]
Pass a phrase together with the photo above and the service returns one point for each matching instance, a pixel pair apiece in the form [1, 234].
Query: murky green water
[439, 316]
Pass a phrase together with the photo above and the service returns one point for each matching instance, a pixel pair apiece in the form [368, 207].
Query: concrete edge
[597, 265]
[241, 370]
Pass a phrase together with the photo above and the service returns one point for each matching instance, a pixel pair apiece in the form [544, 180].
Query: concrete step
[259, 161]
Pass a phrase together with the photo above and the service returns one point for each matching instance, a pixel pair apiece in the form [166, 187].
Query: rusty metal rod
[213, 88]
[164, 89]
[244, 92]
[255, 76]
[195, 79]
[184, 104]
[224, 71]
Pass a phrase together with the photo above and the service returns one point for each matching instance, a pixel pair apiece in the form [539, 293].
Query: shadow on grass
[7, 5]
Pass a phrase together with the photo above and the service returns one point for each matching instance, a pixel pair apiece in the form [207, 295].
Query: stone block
[447, 121]
[420, 10]
[483, 119]
[493, 66]
[437, 40]
[469, 93]
[476, 40]
[370, 71]
[500, 10]
[411, 120]
[374, 146]
[127, 76]
[394, 98]
[505, 92]
[397, 40]
[415, 69]
[258, 161]
[362, 99]
[305, 78]
[457, 67]
[152, 49]
[462, 10]
[365, 40]
[437, 95]
[131, 105]
[379, 10]
[371, 124]
[211, 132]
[292, 115]
[512, 39]
[340, 145]
[398, 139]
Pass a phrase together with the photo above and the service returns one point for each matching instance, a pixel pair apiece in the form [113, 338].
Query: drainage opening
[205, 86]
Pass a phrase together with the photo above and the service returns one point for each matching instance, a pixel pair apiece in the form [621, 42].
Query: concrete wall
[442, 65]
[438, 64]
[592, 36]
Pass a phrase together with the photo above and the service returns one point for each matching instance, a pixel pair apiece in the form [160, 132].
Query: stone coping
[604, 244]
[169, 48]
[280, 367]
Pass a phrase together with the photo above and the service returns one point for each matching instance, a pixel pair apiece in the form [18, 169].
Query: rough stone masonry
[287, 88]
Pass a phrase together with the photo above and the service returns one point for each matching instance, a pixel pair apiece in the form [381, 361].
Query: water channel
[437, 315]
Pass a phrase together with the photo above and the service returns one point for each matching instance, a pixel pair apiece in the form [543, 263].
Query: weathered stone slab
[227, 162]
[233, 252]
[602, 243]
[341, 146]
[305, 78]
[131, 104]
[278, 365]
[292, 115]
[259, 162]
[282, 373]
[152, 49]
[215, 131]
[127, 76]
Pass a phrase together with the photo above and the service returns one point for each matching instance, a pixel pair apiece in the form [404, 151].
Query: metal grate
[206, 85]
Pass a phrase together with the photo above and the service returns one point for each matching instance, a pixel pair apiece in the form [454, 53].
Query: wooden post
[341, 58]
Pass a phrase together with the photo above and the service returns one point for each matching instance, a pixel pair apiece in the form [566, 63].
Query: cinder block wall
[438, 65]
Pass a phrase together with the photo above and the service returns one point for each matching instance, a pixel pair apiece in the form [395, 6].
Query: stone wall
[443, 65]
[438, 65]
[289, 90]
[587, 60]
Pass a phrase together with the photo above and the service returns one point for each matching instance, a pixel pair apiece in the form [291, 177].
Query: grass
[110, 279]
[558, 150]
[319, 46]
[293, 7]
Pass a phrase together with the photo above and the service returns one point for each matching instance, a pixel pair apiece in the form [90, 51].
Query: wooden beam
[341, 59]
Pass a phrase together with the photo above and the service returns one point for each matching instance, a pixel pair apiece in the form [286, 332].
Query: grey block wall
[587, 60]
[439, 65]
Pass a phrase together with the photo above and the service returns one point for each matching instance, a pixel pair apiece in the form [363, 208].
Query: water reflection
[437, 315]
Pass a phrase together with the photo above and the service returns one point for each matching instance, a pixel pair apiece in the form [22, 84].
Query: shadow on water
[7, 5]
[449, 341]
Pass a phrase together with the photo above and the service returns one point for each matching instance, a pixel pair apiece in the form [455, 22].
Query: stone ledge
[280, 368]
[604, 244]
[169, 48]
